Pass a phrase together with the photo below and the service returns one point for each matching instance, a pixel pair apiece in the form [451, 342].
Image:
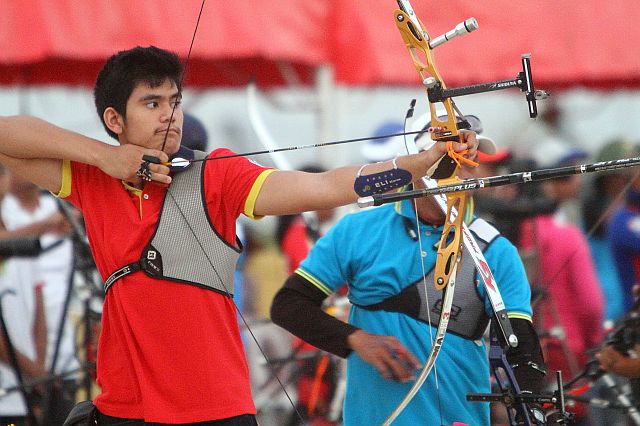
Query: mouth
[164, 130]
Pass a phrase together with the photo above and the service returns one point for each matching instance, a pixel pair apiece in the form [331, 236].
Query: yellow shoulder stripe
[65, 184]
[313, 280]
[250, 202]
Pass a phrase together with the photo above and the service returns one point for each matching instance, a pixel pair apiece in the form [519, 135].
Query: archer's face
[148, 117]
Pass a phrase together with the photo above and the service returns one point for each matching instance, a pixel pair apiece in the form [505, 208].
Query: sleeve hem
[313, 280]
[519, 315]
[250, 202]
[65, 186]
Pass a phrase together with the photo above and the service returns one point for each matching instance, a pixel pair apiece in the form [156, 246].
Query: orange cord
[323, 363]
[459, 157]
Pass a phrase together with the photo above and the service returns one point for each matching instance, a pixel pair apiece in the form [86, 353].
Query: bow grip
[449, 253]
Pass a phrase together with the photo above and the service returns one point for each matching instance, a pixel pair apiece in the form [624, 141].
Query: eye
[176, 103]
[152, 105]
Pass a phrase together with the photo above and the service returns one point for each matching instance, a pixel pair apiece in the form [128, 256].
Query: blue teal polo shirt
[373, 254]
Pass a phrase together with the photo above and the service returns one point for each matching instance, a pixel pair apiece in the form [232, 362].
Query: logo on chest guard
[152, 263]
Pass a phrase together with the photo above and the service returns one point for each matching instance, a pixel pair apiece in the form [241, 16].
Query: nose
[168, 114]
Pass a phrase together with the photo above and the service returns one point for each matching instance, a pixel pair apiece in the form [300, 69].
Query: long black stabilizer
[520, 177]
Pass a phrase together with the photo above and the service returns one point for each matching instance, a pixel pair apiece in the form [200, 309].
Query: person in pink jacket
[569, 310]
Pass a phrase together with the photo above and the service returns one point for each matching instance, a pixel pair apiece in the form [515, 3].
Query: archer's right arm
[297, 308]
[34, 149]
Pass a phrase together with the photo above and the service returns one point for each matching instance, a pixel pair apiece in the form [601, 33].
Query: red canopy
[571, 42]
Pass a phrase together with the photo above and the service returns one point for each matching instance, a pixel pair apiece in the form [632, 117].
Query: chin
[171, 147]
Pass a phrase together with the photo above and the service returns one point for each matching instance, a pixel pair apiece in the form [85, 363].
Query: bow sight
[436, 92]
[523, 81]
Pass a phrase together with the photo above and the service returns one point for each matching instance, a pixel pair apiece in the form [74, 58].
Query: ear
[114, 120]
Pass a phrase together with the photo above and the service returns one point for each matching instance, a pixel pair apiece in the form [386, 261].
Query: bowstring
[244, 320]
[184, 73]
[422, 254]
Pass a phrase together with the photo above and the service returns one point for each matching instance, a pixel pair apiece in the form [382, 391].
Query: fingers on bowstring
[160, 173]
[149, 172]
[153, 167]
[155, 157]
[159, 169]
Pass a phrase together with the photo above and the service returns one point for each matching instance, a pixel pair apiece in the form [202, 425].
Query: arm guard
[526, 359]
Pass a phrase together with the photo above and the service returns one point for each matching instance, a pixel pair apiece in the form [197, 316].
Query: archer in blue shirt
[377, 254]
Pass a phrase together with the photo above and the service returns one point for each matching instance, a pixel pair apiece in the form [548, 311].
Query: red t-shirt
[168, 352]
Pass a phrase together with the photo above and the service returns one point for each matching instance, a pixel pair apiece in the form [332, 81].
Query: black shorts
[242, 420]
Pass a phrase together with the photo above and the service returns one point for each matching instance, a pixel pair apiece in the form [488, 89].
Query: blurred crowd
[579, 238]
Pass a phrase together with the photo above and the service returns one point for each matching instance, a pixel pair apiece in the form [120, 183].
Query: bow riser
[416, 40]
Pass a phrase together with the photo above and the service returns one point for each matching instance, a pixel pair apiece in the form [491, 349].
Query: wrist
[99, 155]
[430, 156]
[352, 338]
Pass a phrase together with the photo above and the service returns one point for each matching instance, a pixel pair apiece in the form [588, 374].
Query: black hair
[124, 70]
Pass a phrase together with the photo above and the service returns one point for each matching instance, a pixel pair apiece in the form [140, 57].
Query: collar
[132, 189]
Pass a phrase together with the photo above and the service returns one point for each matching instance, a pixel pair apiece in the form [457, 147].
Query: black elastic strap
[122, 272]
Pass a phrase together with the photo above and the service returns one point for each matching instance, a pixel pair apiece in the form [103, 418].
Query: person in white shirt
[26, 209]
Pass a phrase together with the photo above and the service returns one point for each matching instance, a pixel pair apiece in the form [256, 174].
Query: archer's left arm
[526, 359]
[291, 192]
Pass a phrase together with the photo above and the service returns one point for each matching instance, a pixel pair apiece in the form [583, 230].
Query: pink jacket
[566, 270]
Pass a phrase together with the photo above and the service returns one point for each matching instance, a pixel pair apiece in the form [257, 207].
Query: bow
[446, 129]
[448, 256]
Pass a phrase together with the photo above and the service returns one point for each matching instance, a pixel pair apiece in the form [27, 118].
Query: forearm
[343, 178]
[34, 149]
[291, 192]
[297, 309]
[24, 137]
[27, 366]
[526, 359]
[40, 328]
[33, 230]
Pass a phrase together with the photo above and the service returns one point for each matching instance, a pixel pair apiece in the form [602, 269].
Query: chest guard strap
[468, 315]
[185, 246]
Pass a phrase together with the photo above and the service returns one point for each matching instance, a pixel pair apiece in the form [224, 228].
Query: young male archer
[170, 349]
